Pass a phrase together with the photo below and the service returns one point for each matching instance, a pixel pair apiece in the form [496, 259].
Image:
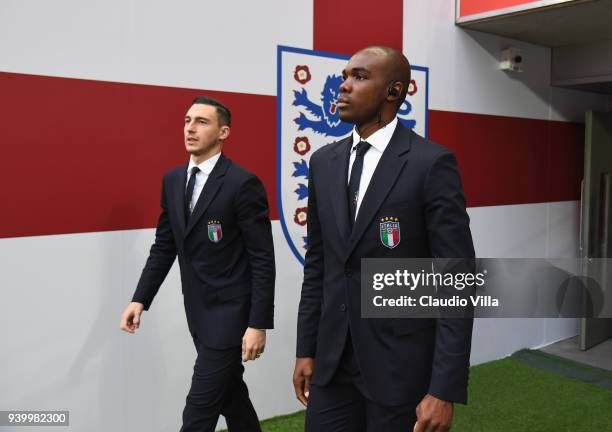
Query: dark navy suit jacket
[400, 360]
[227, 284]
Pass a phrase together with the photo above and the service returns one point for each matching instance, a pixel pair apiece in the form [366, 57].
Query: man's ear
[225, 132]
[394, 90]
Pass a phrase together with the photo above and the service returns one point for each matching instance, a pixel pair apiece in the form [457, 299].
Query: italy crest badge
[215, 234]
[390, 232]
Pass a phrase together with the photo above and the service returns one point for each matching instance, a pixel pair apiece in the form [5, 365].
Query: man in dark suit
[215, 218]
[356, 374]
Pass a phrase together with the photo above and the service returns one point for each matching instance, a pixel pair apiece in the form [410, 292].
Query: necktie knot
[362, 147]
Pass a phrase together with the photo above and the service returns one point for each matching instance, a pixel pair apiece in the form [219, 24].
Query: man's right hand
[304, 366]
[130, 320]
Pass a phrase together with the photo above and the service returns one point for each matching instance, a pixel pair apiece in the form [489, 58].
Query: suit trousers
[344, 405]
[217, 388]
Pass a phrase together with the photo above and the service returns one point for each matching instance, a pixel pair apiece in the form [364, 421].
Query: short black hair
[223, 113]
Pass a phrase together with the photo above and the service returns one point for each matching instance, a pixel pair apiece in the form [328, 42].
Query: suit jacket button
[348, 272]
[343, 307]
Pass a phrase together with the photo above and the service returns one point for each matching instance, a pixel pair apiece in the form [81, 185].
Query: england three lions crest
[308, 118]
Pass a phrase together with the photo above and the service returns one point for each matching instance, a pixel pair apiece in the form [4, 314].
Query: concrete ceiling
[568, 23]
[579, 33]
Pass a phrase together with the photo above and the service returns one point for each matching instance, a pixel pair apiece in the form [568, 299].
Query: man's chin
[346, 117]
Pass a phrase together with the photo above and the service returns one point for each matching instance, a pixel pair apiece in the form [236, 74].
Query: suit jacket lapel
[212, 185]
[338, 169]
[180, 184]
[388, 169]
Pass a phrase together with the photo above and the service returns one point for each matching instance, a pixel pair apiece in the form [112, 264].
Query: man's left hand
[433, 415]
[253, 344]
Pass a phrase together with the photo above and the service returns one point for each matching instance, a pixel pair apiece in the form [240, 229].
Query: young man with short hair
[215, 219]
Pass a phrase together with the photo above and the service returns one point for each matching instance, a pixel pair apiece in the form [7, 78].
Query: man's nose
[344, 87]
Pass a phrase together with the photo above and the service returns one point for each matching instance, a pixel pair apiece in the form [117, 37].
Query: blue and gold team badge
[215, 234]
[390, 231]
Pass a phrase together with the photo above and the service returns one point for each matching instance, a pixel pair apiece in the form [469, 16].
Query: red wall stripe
[81, 156]
[346, 26]
[509, 160]
[471, 7]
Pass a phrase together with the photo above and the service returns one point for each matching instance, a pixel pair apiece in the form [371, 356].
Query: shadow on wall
[563, 104]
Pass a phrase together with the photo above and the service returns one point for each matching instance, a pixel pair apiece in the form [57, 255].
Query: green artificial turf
[288, 423]
[512, 395]
[508, 395]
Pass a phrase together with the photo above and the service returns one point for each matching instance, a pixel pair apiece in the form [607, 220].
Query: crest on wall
[308, 86]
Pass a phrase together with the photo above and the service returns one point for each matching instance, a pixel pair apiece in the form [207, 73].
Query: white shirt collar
[379, 139]
[207, 166]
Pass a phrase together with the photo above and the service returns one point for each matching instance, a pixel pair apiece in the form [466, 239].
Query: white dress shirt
[378, 141]
[206, 168]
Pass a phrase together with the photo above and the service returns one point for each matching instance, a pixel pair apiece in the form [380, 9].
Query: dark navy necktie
[189, 192]
[353, 186]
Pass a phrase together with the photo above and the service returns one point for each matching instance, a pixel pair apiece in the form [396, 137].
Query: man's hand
[130, 320]
[433, 415]
[253, 343]
[304, 366]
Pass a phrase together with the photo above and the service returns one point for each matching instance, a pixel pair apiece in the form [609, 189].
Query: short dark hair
[223, 113]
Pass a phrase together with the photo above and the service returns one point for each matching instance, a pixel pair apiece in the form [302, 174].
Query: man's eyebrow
[355, 70]
[198, 118]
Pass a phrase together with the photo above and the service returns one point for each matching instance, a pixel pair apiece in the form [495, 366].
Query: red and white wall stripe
[93, 95]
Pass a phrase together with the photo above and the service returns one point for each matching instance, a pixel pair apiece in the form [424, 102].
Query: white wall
[547, 230]
[224, 45]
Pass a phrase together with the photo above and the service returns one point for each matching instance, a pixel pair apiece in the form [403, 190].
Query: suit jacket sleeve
[161, 257]
[449, 237]
[253, 220]
[309, 311]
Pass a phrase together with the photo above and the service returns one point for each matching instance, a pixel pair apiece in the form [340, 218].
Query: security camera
[512, 60]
